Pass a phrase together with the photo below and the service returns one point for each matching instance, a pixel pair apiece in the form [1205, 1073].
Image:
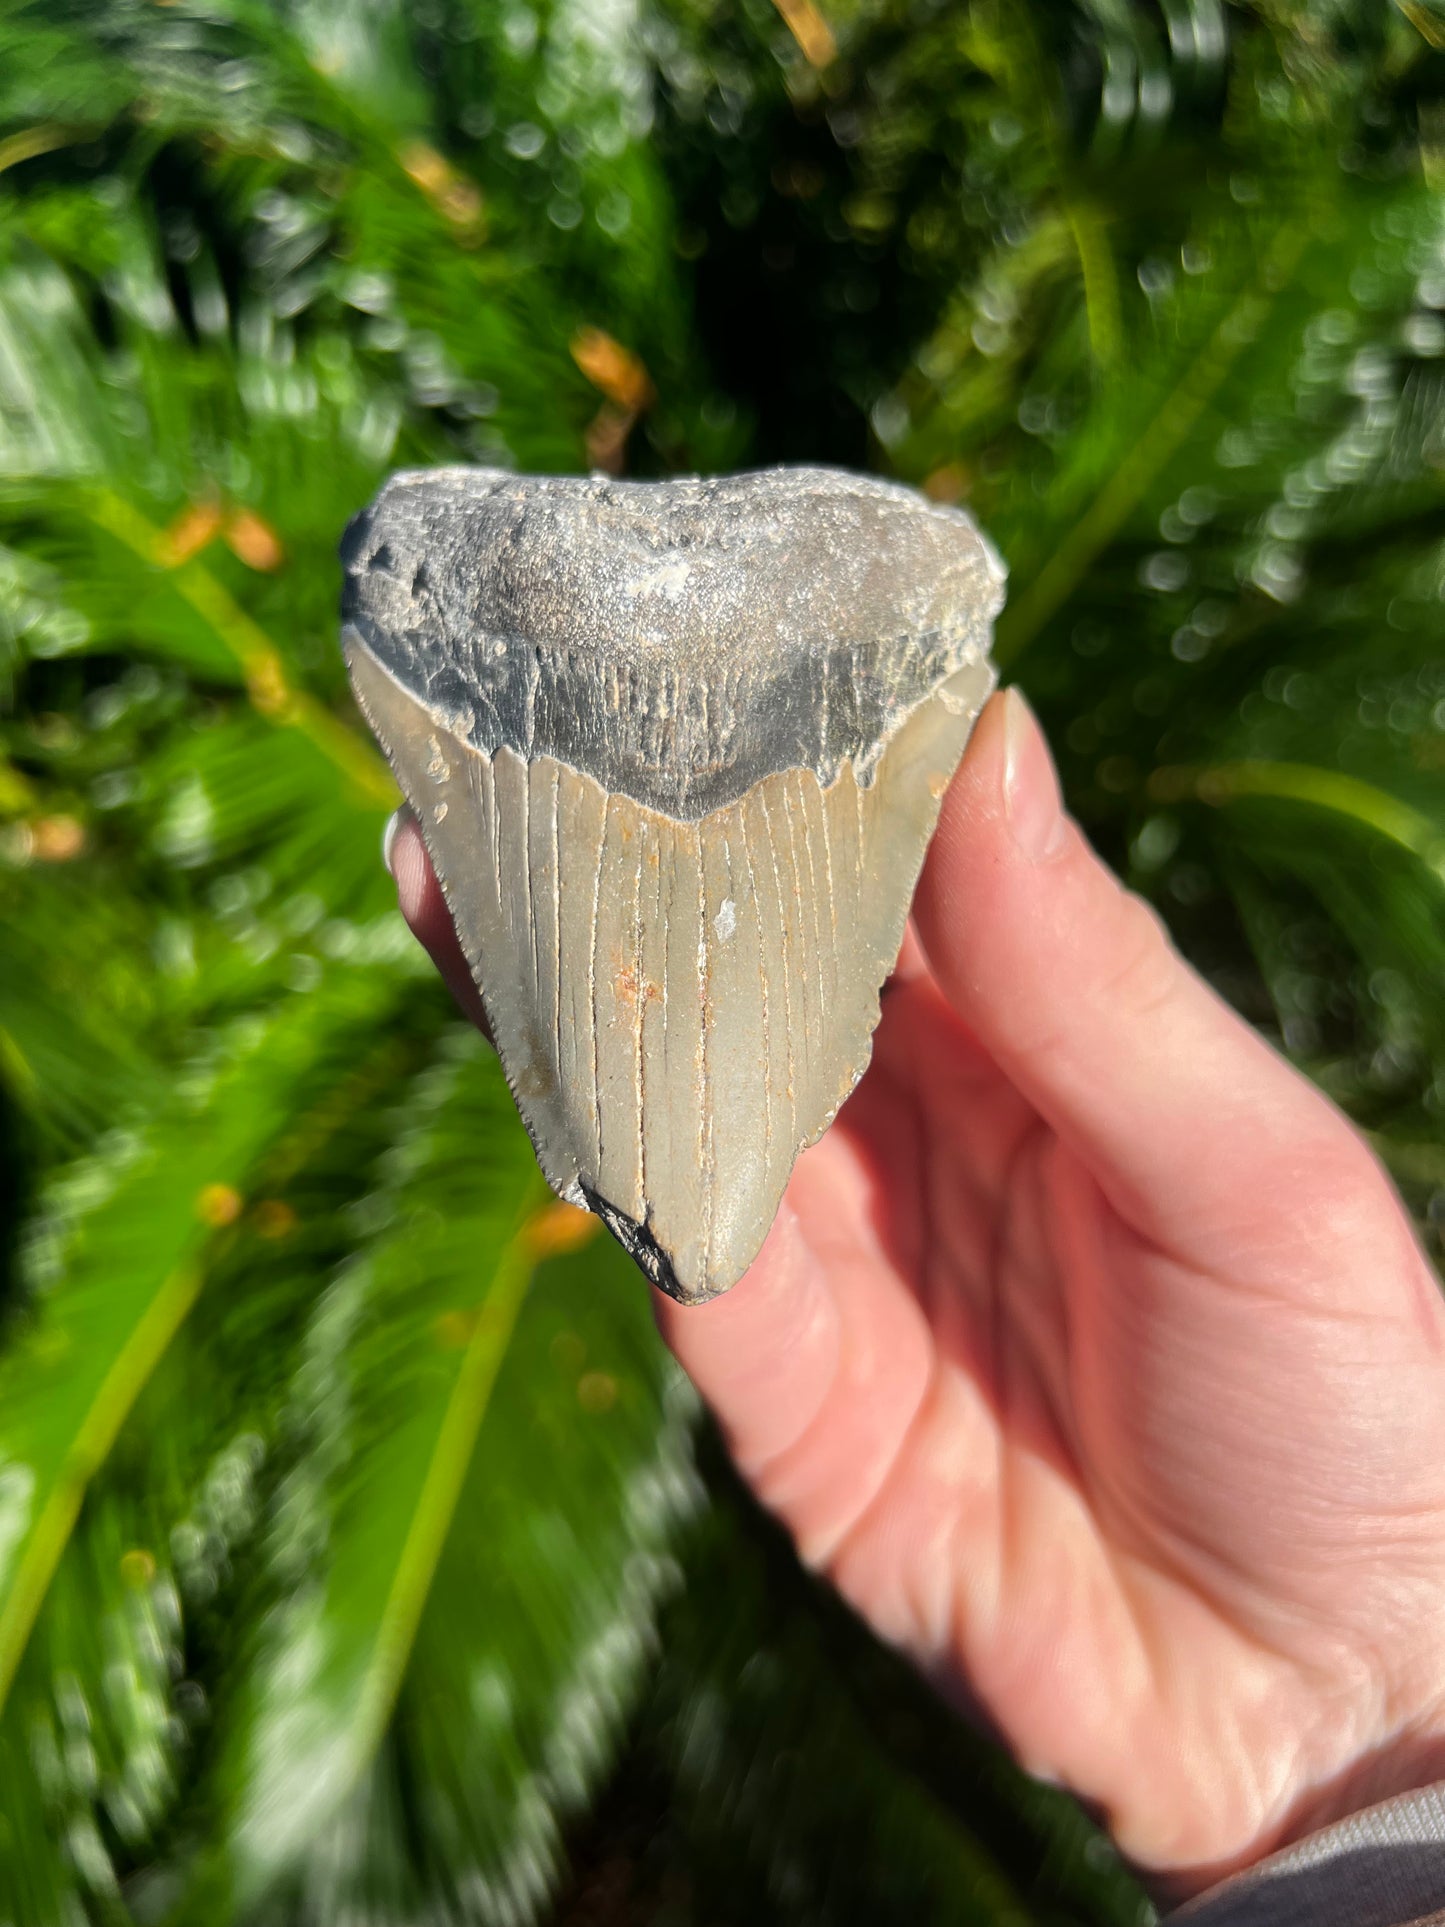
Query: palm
[1091, 1484]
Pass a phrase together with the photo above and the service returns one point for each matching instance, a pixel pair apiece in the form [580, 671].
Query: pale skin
[1093, 1358]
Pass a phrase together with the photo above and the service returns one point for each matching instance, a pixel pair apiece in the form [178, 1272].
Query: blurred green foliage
[358, 1560]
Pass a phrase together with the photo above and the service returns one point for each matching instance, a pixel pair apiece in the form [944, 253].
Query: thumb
[1188, 1120]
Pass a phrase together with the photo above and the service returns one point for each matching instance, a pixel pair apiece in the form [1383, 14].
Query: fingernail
[388, 835]
[1032, 804]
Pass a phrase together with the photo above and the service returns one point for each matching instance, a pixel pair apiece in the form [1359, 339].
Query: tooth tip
[638, 1241]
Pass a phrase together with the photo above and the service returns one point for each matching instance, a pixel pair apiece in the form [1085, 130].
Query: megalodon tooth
[676, 749]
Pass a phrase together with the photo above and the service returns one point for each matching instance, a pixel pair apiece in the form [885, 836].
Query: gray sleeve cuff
[1384, 1867]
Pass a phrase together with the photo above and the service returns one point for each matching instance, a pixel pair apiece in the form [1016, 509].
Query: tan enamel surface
[680, 1007]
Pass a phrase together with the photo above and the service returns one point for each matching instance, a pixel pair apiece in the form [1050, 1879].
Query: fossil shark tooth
[676, 750]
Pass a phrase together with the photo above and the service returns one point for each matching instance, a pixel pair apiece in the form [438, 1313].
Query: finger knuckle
[1143, 970]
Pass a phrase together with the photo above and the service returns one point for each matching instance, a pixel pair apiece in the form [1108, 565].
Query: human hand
[1093, 1358]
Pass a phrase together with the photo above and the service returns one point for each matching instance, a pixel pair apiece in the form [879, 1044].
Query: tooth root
[680, 1007]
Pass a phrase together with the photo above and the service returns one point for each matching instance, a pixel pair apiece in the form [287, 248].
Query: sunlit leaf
[116, 1268]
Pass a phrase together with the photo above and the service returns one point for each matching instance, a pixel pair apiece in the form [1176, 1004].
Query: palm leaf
[438, 1484]
[115, 1271]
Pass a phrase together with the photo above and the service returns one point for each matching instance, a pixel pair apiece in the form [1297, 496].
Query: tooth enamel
[676, 750]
